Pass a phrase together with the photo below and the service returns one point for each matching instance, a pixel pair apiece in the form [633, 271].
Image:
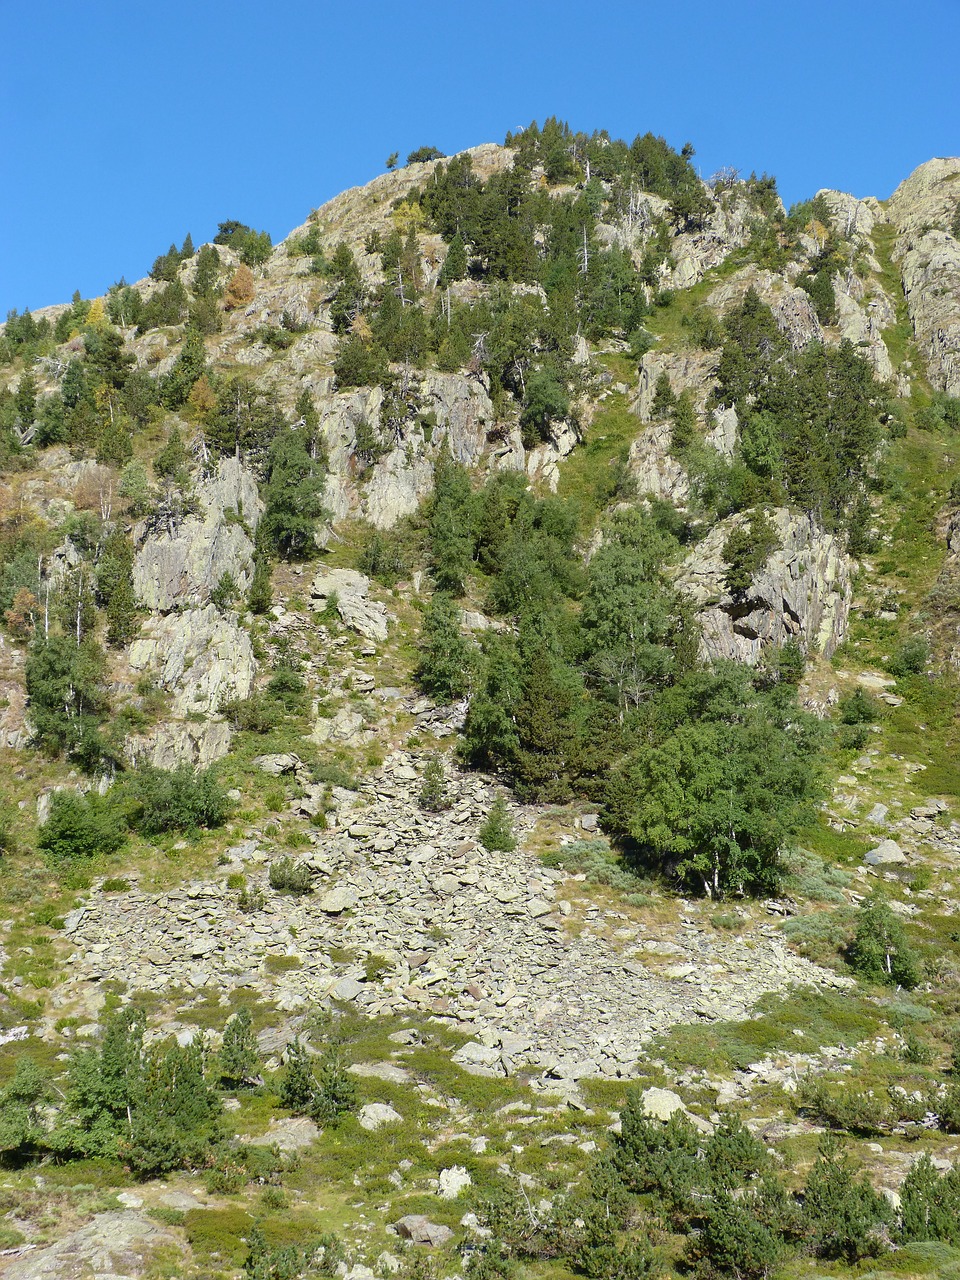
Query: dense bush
[181, 799]
[82, 826]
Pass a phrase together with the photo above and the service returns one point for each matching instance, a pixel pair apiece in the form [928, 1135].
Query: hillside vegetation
[478, 700]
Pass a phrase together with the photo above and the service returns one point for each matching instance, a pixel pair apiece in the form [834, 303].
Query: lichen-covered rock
[730, 226]
[862, 315]
[186, 566]
[367, 617]
[922, 208]
[791, 307]
[852, 217]
[931, 282]
[176, 742]
[398, 484]
[802, 593]
[657, 473]
[687, 370]
[114, 1246]
[200, 655]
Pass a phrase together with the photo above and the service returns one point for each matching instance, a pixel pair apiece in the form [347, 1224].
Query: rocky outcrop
[201, 656]
[398, 484]
[863, 312]
[931, 282]
[365, 616]
[922, 209]
[791, 307]
[114, 1246]
[687, 370]
[186, 565]
[852, 218]
[730, 226]
[657, 473]
[802, 593]
[177, 742]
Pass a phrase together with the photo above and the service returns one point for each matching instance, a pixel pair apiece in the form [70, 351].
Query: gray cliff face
[922, 209]
[802, 593]
[185, 567]
[203, 659]
[201, 656]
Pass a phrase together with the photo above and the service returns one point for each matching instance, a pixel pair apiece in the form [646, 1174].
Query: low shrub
[287, 876]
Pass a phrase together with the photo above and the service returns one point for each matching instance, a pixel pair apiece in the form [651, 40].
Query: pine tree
[260, 597]
[240, 289]
[664, 397]
[189, 365]
[496, 833]
[293, 498]
[25, 400]
[445, 662]
[450, 531]
[123, 618]
[684, 431]
[240, 1061]
[171, 462]
[336, 1092]
[455, 263]
[298, 1084]
[433, 790]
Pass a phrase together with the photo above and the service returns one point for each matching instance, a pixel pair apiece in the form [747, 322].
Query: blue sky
[125, 124]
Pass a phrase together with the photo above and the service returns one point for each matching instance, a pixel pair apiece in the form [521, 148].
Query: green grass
[824, 1017]
[585, 475]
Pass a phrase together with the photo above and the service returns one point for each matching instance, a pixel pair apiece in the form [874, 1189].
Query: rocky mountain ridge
[554, 972]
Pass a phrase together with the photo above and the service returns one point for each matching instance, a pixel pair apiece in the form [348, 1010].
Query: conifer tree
[496, 833]
[239, 1057]
[445, 662]
[455, 263]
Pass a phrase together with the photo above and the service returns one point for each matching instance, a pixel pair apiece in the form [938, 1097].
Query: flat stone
[447, 884]
[376, 1114]
[347, 989]
[381, 1071]
[420, 1230]
[536, 907]
[575, 1069]
[338, 900]
[886, 853]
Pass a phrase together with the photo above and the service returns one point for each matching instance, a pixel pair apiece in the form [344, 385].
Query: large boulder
[365, 616]
[200, 656]
[185, 566]
[802, 593]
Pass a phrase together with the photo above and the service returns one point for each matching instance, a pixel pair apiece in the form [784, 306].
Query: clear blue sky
[126, 124]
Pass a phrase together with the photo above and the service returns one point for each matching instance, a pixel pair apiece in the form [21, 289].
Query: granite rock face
[922, 208]
[184, 565]
[802, 593]
[201, 656]
[114, 1246]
